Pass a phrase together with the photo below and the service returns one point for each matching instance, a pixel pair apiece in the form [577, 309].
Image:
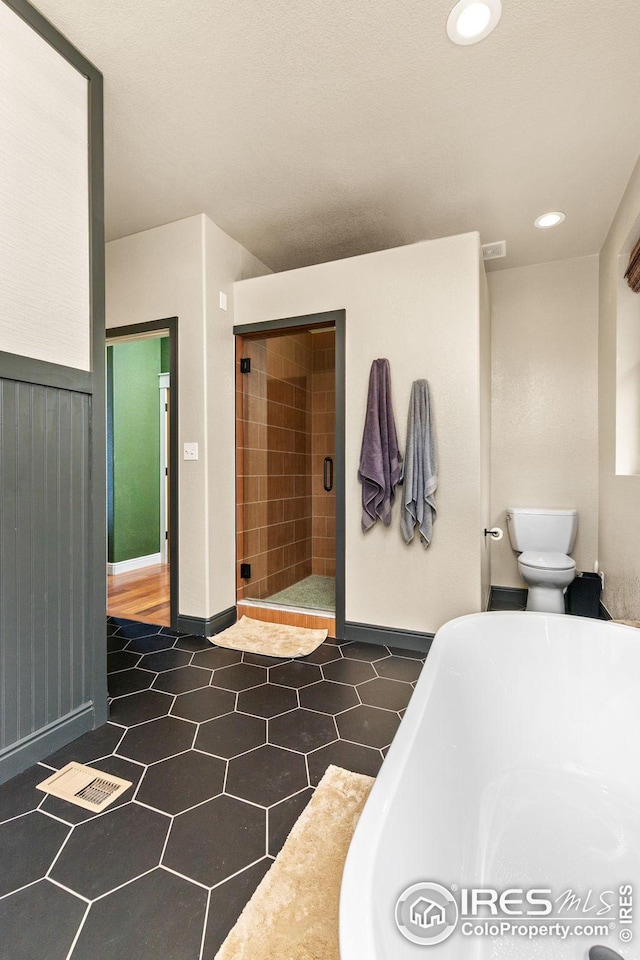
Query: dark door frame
[155, 327]
[335, 318]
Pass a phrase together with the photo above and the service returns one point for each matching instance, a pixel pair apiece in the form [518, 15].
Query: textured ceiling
[322, 129]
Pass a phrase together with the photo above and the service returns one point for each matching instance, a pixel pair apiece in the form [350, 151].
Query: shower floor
[315, 592]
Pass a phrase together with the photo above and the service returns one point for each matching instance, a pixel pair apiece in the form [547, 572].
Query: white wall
[486, 543]
[178, 270]
[419, 306]
[44, 198]
[545, 400]
[619, 540]
[627, 374]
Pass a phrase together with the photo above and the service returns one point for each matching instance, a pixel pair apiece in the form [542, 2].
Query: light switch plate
[191, 451]
[223, 301]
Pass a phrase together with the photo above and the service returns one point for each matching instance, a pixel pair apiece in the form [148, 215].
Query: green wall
[164, 355]
[133, 399]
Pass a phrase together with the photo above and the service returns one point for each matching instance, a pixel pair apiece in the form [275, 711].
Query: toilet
[544, 539]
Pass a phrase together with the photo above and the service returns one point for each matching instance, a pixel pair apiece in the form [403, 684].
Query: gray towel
[380, 458]
[420, 467]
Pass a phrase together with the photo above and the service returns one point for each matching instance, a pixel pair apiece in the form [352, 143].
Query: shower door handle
[328, 474]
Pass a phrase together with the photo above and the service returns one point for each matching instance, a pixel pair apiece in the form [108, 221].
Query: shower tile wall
[273, 410]
[323, 396]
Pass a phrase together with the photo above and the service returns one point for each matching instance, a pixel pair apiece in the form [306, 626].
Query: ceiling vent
[84, 786]
[494, 251]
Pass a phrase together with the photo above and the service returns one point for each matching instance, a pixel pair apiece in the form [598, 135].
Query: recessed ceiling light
[472, 20]
[549, 220]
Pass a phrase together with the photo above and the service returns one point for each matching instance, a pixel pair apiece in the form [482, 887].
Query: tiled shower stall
[285, 418]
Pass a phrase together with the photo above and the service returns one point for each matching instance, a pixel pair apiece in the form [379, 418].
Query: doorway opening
[142, 472]
[290, 471]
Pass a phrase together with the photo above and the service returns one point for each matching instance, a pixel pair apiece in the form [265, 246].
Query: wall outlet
[191, 451]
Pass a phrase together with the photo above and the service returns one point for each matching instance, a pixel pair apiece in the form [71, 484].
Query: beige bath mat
[294, 912]
[271, 639]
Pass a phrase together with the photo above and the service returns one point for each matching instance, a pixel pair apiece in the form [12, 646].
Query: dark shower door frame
[285, 325]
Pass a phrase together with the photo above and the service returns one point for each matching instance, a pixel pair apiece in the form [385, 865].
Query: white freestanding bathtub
[517, 766]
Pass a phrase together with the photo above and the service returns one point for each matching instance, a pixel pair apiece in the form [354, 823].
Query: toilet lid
[546, 561]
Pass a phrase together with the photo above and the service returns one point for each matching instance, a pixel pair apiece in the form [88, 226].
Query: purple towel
[380, 460]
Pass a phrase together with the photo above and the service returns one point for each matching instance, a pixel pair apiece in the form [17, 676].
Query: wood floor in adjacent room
[141, 595]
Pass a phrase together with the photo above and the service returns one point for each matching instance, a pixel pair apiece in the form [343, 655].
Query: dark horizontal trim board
[27, 370]
[17, 757]
[166, 325]
[321, 319]
[201, 627]
[388, 636]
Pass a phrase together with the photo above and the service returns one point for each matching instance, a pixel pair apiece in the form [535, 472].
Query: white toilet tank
[551, 531]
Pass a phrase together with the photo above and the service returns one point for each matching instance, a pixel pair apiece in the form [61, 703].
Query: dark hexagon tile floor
[302, 730]
[281, 818]
[266, 775]
[148, 743]
[39, 921]
[227, 902]
[215, 840]
[364, 651]
[217, 657]
[390, 694]
[295, 674]
[19, 795]
[182, 680]
[224, 750]
[370, 726]
[351, 756]
[158, 915]
[122, 660]
[203, 704]
[329, 697]
[348, 671]
[140, 707]
[181, 782]
[28, 847]
[165, 660]
[398, 668]
[269, 700]
[325, 653]
[130, 681]
[126, 842]
[231, 735]
[89, 747]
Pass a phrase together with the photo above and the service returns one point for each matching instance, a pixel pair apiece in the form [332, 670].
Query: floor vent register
[84, 786]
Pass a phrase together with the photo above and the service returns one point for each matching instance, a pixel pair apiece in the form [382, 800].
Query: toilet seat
[539, 560]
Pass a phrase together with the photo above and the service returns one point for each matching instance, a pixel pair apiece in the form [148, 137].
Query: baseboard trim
[207, 627]
[135, 563]
[388, 636]
[17, 757]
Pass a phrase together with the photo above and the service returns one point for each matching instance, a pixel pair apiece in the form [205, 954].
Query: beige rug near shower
[293, 915]
[271, 639]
